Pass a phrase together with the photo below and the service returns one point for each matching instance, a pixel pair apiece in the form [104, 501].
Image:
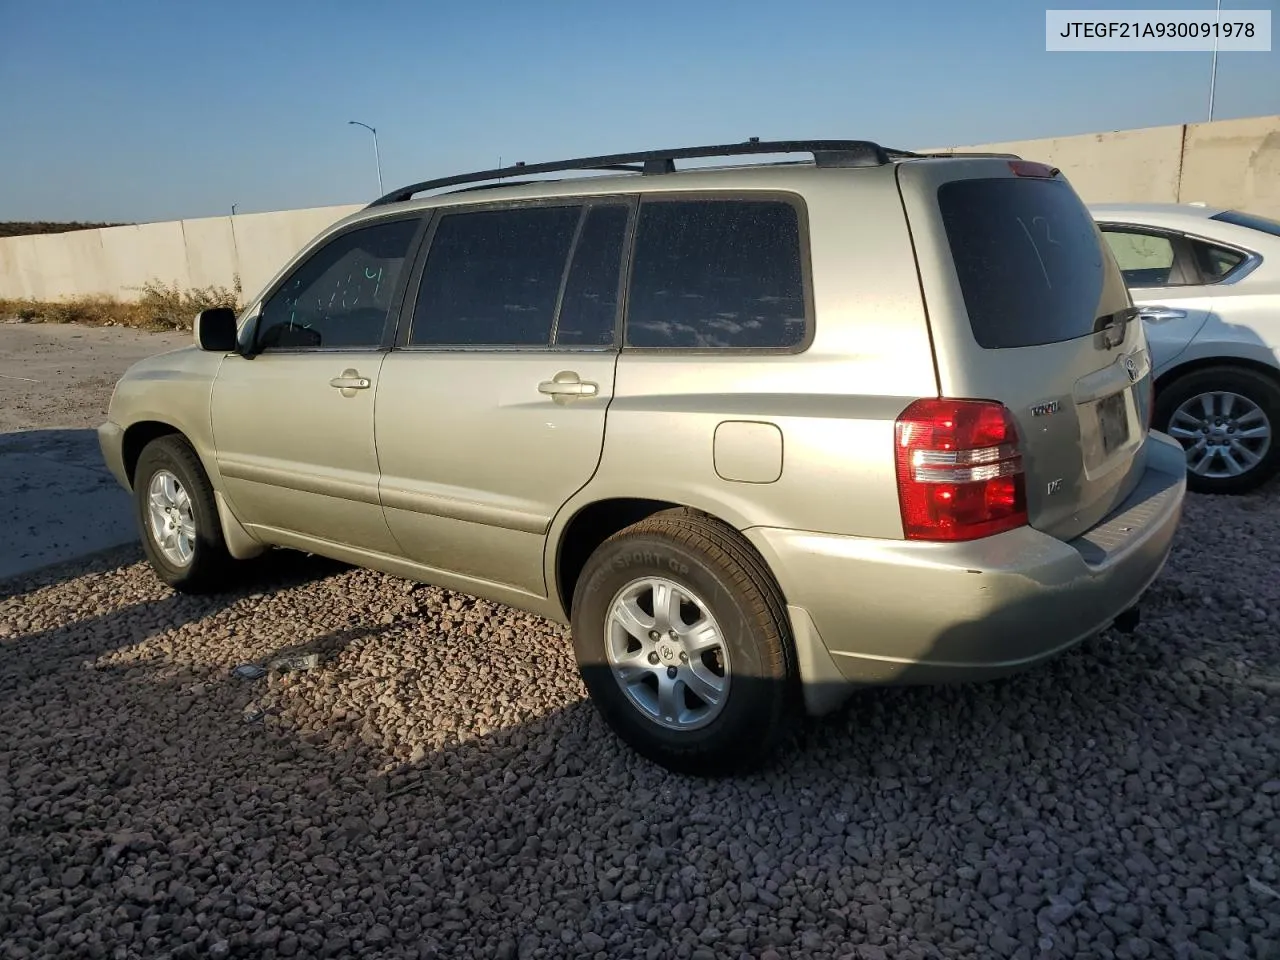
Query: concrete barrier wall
[210, 247]
[1138, 166]
[131, 256]
[1232, 163]
[265, 241]
[118, 261]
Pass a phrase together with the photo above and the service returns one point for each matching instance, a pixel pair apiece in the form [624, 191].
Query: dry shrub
[168, 305]
[160, 306]
[94, 311]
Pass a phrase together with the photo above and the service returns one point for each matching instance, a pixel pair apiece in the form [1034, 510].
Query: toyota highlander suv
[761, 433]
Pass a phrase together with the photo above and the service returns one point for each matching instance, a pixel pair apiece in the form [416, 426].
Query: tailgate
[1027, 307]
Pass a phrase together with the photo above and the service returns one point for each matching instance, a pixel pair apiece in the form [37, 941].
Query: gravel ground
[62, 375]
[438, 787]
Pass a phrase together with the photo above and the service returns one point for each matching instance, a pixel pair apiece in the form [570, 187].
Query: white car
[1206, 282]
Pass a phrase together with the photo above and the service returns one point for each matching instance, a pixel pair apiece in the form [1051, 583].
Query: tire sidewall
[157, 456]
[1247, 383]
[752, 688]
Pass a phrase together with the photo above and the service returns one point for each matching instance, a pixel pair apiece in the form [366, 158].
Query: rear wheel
[681, 636]
[178, 517]
[1226, 419]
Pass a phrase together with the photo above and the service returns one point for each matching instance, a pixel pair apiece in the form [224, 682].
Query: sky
[139, 110]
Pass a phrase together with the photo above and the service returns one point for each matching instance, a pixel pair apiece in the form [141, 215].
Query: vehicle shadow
[437, 786]
[97, 562]
[39, 612]
[58, 501]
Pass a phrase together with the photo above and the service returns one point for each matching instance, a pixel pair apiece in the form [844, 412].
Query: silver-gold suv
[761, 433]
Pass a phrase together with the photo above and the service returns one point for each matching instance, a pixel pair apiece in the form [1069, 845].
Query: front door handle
[350, 382]
[566, 385]
[1155, 314]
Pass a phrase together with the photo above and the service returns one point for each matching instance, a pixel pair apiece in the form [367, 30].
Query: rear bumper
[893, 611]
[111, 442]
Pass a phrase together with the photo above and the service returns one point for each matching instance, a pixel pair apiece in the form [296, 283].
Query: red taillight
[960, 474]
[1030, 168]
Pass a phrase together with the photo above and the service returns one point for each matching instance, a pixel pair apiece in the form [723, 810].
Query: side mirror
[215, 330]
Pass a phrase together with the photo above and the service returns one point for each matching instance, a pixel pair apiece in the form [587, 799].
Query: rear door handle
[567, 384]
[1156, 314]
[350, 382]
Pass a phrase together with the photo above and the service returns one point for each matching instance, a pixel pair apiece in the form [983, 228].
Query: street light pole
[1213, 74]
[376, 156]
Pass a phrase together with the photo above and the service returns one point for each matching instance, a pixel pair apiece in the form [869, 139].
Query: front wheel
[1225, 418]
[682, 640]
[178, 517]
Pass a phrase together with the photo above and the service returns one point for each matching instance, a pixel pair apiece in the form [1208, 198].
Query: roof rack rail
[826, 153]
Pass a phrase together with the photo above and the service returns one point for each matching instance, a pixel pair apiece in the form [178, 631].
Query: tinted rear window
[717, 275]
[1250, 220]
[1031, 267]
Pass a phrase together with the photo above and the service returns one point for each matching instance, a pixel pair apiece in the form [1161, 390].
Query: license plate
[1113, 422]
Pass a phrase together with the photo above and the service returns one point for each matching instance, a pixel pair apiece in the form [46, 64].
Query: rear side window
[492, 277]
[1250, 220]
[717, 274]
[1029, 260]
[1214, 262]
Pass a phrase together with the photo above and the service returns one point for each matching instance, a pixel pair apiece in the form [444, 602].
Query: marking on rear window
[1036, 247]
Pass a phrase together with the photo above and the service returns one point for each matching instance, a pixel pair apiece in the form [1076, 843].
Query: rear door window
[1030, 263]
[589, 305]
[492, 277]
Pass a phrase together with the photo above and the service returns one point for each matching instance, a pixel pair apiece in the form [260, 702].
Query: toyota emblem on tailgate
[1131, 368]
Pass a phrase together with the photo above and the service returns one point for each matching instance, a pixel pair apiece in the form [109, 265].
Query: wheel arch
[588, 524]
[136, 437]
[1221, 368]
[1205, 362]
[241, 544]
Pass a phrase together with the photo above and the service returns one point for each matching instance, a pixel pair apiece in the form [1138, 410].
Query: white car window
[1215, 262]
[1145, 260]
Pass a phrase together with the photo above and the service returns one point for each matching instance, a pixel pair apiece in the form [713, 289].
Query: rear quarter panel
[1244, 323]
